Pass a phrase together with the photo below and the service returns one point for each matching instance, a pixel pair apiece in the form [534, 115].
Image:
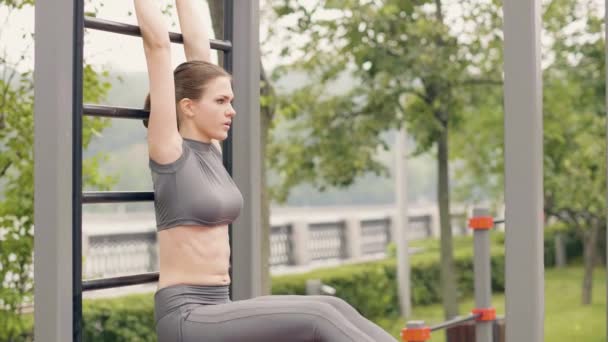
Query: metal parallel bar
[115, 112]
[108, 283]
[117, 197]
[482, 273]
[454, 322]
[78, 197]
[133, 30]
[499, 221]
[523, 136]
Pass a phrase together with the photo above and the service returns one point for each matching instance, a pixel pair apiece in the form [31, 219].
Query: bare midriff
[194, 255]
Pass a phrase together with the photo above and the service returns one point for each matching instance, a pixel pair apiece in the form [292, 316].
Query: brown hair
[191, 78]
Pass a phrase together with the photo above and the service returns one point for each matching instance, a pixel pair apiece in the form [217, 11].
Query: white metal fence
[299, 237]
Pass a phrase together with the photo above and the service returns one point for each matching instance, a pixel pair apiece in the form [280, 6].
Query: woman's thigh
[168, 328]
[255, 320]
[345, 309]
[340, 304]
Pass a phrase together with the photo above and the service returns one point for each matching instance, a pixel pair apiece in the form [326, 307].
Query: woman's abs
[194, 255]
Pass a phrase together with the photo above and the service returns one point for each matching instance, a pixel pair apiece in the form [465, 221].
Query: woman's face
[213, 113]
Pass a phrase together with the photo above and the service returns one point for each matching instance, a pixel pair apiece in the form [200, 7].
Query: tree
[574, 127]
[16, 178]
[412, 64]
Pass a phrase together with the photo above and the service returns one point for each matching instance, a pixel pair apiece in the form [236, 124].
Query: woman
[195, 200]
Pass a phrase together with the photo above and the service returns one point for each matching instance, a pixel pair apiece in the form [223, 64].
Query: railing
[375, 235]
[281, 245]
[327, 240]
[338, 236]
[137, 252]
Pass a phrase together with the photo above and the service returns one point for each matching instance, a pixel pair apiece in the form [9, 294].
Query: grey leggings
[187, 313]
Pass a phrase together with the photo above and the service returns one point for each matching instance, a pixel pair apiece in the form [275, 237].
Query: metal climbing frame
[524, 267]
[523, 131]
[59, 198]
[484, 314]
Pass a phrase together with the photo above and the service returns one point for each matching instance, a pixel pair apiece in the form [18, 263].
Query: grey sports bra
[195, 189]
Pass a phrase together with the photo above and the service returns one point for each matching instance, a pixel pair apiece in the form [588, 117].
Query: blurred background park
[340, 80]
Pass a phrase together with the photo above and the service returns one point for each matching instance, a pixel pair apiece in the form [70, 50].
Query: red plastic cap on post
[481, 222]
[416, 331]
[486, 314]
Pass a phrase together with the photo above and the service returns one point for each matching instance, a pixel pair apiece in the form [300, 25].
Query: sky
[125, 54]
[117, 52]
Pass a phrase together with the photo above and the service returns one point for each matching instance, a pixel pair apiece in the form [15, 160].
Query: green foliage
[16, 4]
[574, 121]
[17, 180]
[572, 241]
[130, 318]
[17, 174]
[369, 287]
[565, 319]
[404, 62]
[372, 287]
[410, 64]
[574, 125]
[574, 114]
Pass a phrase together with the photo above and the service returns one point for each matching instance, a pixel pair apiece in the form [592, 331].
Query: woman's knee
[332, 326]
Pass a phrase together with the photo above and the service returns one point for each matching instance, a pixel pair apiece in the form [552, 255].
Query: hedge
[370, 287]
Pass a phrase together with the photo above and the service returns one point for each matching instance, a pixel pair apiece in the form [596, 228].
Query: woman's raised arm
[164, 140]
[196, 37]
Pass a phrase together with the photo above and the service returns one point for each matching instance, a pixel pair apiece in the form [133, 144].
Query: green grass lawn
[565, 318]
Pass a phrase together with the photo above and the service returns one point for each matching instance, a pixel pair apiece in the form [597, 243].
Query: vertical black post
[227, 144]
[606, 152]
[77, 169]
[228, 62]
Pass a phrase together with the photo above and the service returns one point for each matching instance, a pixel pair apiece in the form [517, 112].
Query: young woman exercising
[195, 200]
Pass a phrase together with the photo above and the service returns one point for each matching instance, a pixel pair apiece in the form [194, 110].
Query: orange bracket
[487, 314]
[481, 222]
[416, 334]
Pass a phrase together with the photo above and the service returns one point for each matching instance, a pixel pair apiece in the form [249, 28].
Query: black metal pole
[454, 322]
[115, 112]
[78, 42]
[117, 197]
[227, 145]
[108, 283]
[133, 30]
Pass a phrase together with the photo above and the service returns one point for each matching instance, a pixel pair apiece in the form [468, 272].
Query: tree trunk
[590, 247]
[216, 10]
[448, 280]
